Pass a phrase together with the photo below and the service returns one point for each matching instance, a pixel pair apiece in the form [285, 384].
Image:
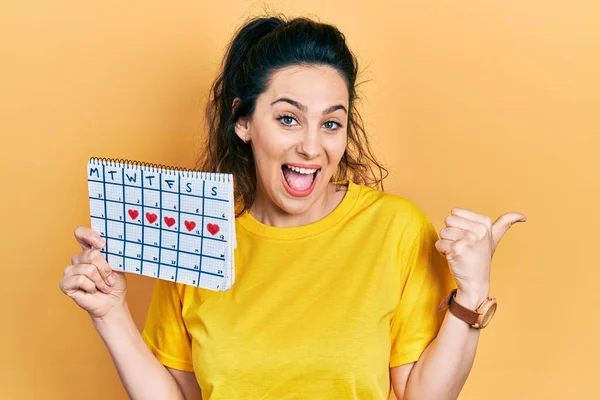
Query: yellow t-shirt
[319, 311]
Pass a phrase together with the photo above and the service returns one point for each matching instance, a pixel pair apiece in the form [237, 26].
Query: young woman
[337, 283]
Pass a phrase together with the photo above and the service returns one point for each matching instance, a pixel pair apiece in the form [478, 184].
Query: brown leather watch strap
[460, 312]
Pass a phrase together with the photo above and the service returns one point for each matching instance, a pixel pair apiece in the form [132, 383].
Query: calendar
[164, 222]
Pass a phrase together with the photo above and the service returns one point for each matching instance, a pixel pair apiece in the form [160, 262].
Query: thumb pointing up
[502, 224]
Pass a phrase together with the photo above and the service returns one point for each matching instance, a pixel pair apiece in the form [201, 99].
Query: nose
[309, 145]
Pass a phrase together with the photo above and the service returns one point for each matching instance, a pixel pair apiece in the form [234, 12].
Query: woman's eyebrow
[292, 102]
[335, 108]
[303, 107]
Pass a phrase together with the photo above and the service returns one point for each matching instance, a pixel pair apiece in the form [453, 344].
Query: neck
[268, 213]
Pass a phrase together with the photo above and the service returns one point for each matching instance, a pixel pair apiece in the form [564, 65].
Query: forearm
[143, 376]
[444, 366]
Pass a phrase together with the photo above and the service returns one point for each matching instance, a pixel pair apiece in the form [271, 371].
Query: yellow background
[489, 105]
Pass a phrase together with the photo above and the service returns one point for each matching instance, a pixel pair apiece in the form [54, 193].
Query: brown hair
[259, 48]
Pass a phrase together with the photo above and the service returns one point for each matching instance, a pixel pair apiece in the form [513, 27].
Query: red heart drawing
[151, 217]
[169, 221]
[189, 225]
[133, 213]
[213, 228]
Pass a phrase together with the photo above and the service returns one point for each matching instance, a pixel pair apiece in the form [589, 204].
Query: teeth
[305, 171]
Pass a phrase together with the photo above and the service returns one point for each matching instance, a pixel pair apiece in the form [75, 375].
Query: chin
[294, 206]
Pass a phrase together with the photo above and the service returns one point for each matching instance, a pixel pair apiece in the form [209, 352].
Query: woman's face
[298, 135]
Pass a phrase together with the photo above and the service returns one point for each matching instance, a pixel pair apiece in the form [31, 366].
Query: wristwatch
[478, 319]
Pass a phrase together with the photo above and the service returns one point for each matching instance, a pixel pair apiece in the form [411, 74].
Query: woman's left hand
[469, 241]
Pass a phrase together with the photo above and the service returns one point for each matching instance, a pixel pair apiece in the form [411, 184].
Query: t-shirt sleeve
[425, 281]
[165, 333]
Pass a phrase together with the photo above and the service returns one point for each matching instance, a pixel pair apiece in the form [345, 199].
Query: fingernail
[99, 243]
[107, 289]
[111, 280]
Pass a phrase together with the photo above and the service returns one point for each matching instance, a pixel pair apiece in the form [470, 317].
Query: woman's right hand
[89, 280]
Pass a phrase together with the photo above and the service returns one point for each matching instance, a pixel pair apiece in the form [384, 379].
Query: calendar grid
[124, 217]
[178, 222]
[179, 267]
[156, 247]
[163, 222]
[160, 218]
[202, 238]
[105, 212]
[183, 233]
[157, 190]
[157, 208]
[143, 223]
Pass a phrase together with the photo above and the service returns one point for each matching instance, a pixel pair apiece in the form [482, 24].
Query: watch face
[489, 314]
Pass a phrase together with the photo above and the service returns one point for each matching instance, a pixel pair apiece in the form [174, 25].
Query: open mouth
[299, 181]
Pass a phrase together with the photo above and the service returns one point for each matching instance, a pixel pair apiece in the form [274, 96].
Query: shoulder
[390, 206]
[397, 217]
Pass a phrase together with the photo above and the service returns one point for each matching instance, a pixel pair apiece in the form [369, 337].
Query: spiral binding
[160, 168]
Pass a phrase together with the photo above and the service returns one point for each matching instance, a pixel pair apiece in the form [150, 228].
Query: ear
[242, 125]
[242, 129]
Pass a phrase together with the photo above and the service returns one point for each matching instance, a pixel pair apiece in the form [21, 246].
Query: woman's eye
[332, 125]
[287, 120]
